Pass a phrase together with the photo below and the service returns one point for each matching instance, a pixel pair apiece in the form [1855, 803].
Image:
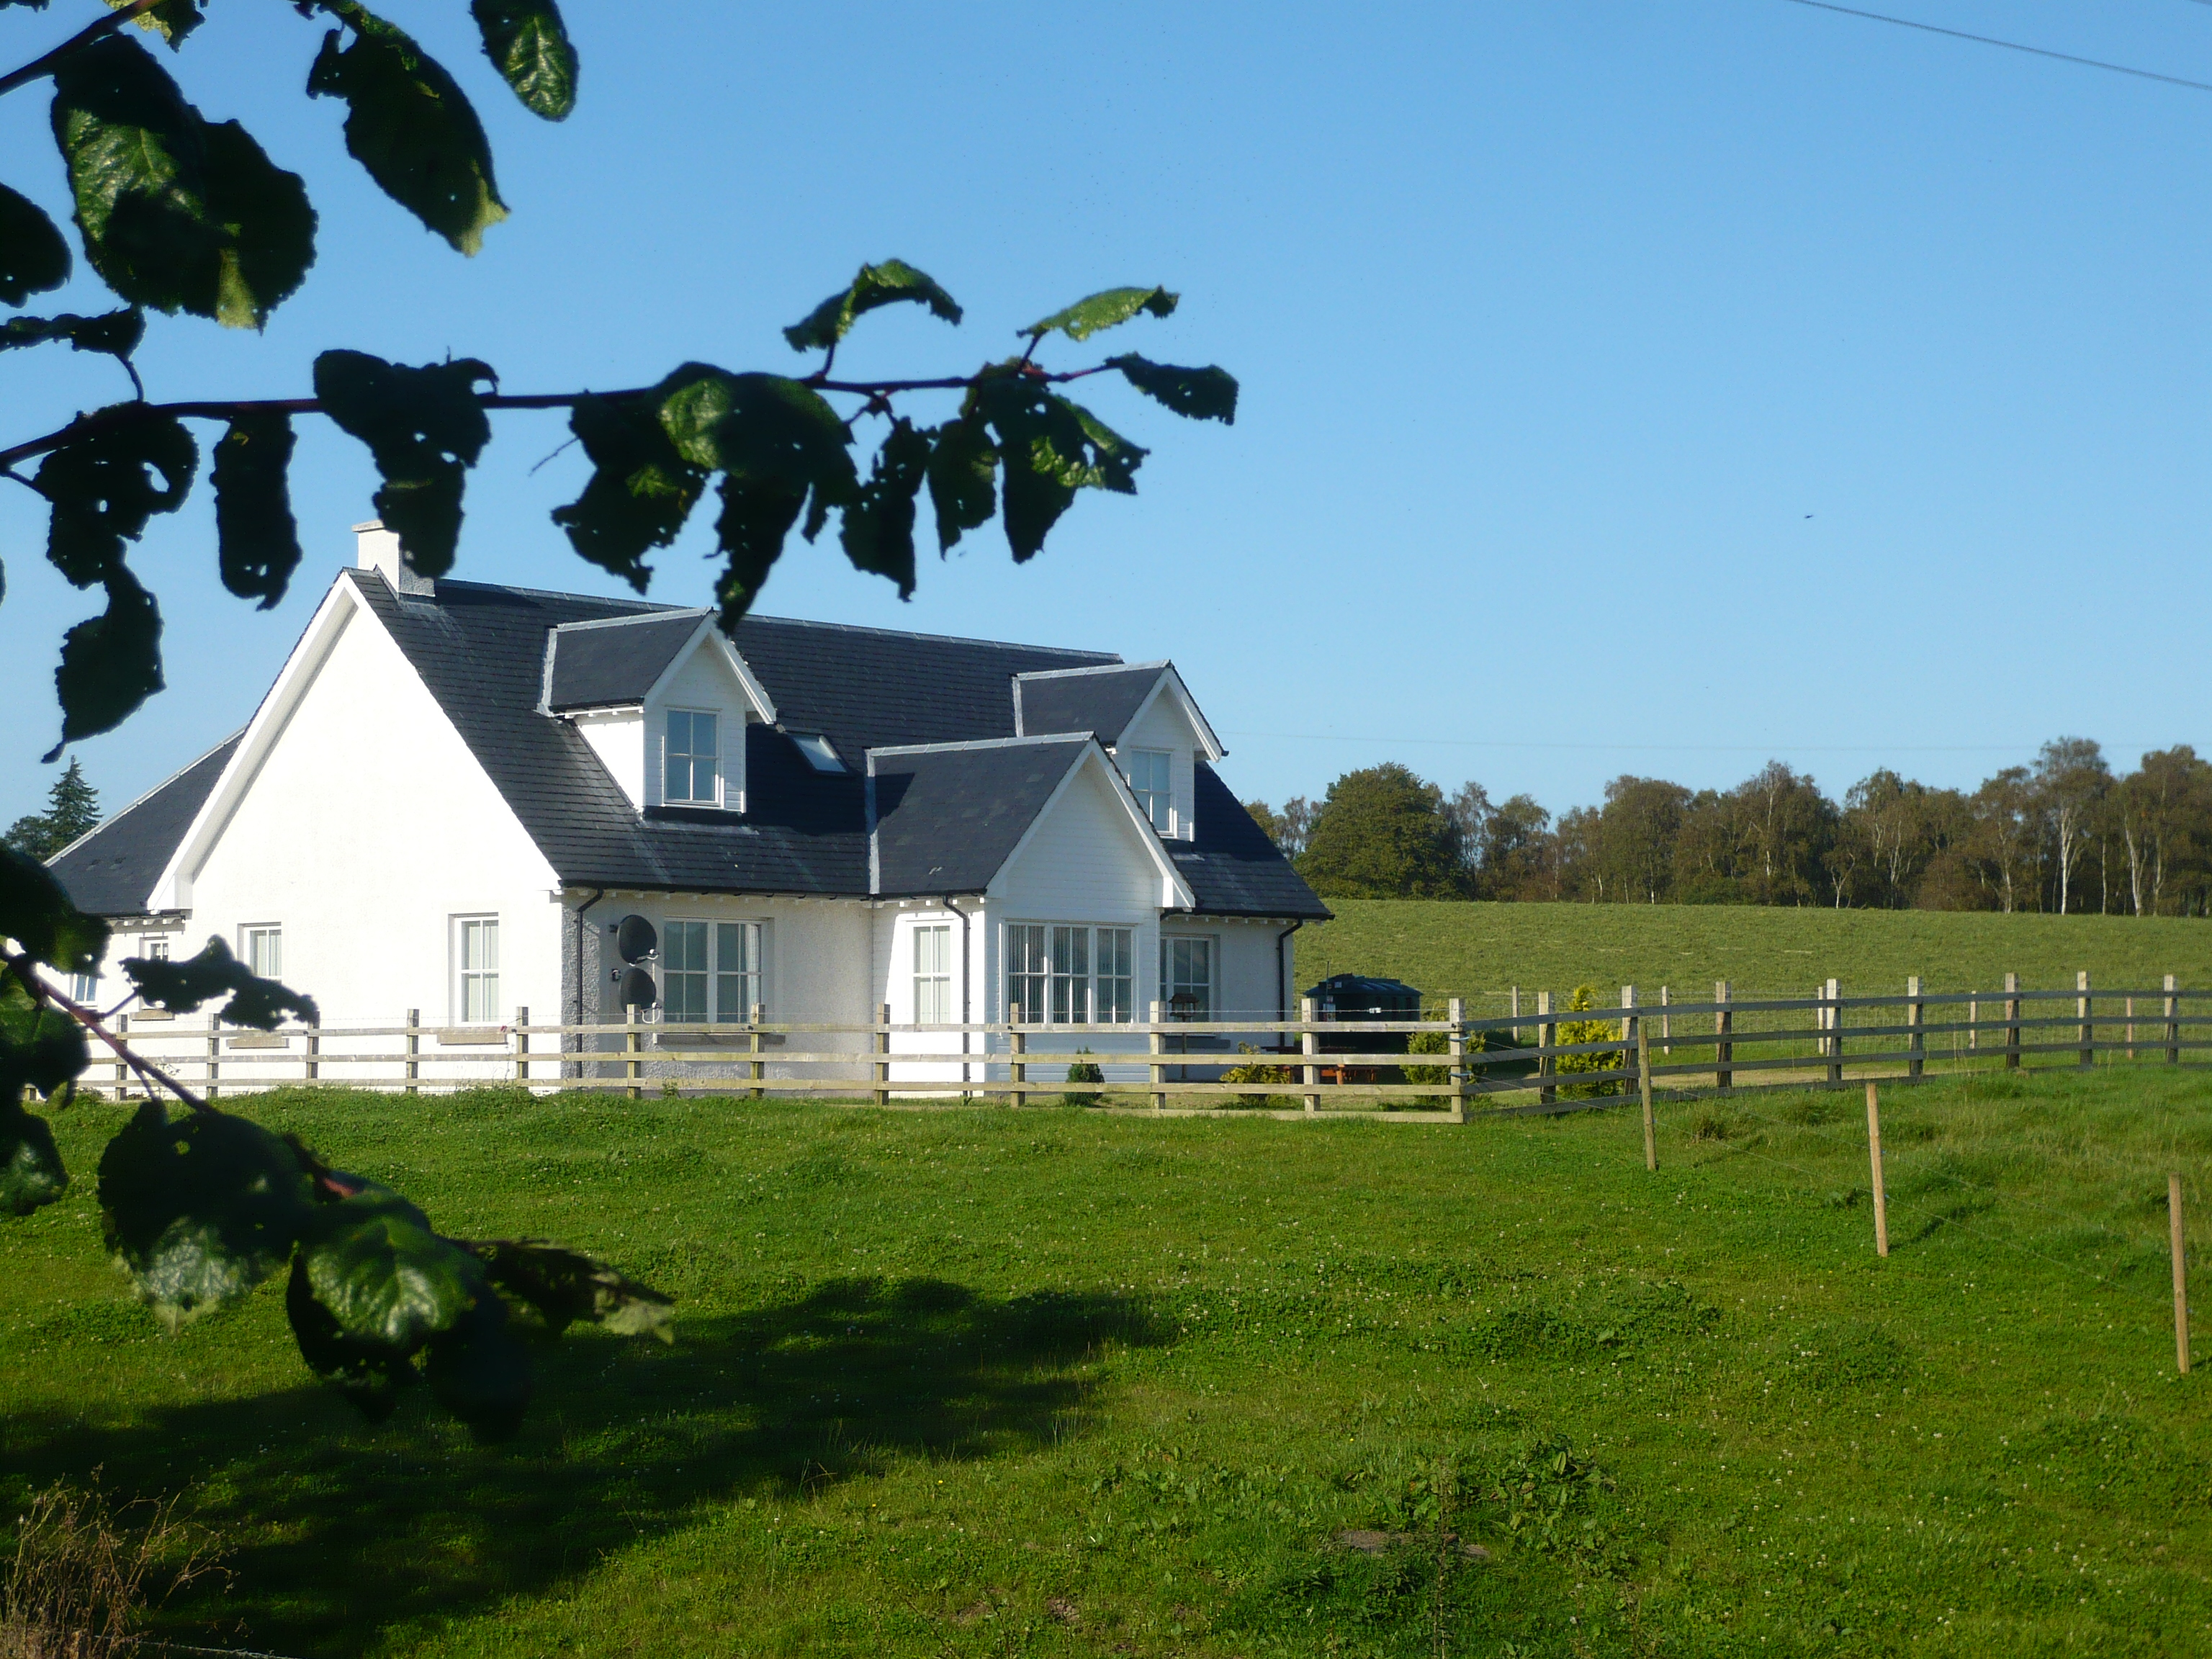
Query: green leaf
[565, 1286]
[876, 285]
[425, 427]
[31, 1170]
[480, 1373]
[182, 986]
[105, 485]
[110, 663]
[879, 527]
[408, 122]
[750, 530]
[528, 46]
[34, 256]
[1051, 448]
[36, 913]
[115, 332]
[172, 20]
[370, 1375]
[389, 1282]
[176, 215]
[1198, 394]
[258, 539]
[41, 1047]
[640, 490]
[963, 478]
[201, 1210]
[1104, 310]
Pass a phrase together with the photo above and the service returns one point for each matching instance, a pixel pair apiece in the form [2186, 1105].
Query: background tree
[2003, 843]
[1637, 829]
[1382, 833]
[1287, 828]
[2070, 783]
[1518, 858]
[72, 809]
[1467, 812]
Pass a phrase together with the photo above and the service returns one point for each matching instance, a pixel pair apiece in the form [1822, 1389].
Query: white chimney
[378, 551]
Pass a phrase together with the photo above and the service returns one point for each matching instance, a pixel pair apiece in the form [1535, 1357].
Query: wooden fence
[1309, 1065]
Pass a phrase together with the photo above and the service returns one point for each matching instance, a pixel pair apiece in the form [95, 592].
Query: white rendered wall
[617, 738]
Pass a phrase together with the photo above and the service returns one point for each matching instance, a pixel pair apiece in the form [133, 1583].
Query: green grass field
[1480, 951]
[983, 1381]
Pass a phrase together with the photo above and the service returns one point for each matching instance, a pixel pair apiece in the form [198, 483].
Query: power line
[2010, 46]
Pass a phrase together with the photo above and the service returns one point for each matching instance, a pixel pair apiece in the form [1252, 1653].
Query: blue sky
[1652, 388]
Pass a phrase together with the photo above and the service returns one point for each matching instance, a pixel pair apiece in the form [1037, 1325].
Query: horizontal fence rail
[1549, 1057]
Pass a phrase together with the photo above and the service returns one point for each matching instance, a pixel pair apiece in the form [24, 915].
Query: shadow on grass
[343, 1532]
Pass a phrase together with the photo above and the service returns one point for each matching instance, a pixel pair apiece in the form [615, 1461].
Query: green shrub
[1085, 1071]
[1588, 1030]
[1252, 1071]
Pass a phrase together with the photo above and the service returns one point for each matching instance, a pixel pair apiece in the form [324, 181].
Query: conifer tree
[72, 808]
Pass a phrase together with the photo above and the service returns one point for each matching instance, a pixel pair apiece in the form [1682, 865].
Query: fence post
[1666, 1025]
[1631, 1028]
[522, 1045]
[314, 1067]
[2180, 1274]
[2088, 1021]
[213, 1056]
[2131, 1028]
[633, 1043]
[2012, 1022]
[1309, 1045]
[1874, 1159]
[1018, 1044]
[1516, 1016]
[1455, 1011]
[883, 1046]
[1160, 1046]
[2173, 1023]
[1973, 1022]
[759, 1070]
[122, 1067]
[1547, 1037]
[413, 1048]
[1915, 1040]
[1833, 1016]
[1644, 1085]
[1724, 1024]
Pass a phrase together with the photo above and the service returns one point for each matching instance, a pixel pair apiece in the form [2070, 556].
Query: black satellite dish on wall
[637, 988]
[634, 940]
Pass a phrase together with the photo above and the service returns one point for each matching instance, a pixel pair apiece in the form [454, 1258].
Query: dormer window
[692, 758]
[1149, 775]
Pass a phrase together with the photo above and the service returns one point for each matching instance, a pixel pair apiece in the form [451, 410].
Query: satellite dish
[637, 989]
[635, 939]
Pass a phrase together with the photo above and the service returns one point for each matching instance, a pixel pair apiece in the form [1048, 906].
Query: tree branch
[44, 65]
[26, 972]
[122, 414]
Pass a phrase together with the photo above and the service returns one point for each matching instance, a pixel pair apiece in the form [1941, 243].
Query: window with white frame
[1187, 977]
[154, 947]
[693, 759]
[476, 969]
[709, 970]
[1148, 772]
[1071, 975]
[263, 949]
[933, 973]
[84, 987]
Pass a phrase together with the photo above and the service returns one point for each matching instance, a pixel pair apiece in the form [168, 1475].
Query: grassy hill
[983, 1382]
[1479, 951]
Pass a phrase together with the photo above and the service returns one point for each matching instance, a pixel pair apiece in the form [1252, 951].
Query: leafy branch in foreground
[202, 1208]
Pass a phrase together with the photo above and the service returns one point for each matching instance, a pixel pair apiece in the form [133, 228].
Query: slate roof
[605, 663]
[946, 818]
[482, 651]
[1101, 702]
[112, 872]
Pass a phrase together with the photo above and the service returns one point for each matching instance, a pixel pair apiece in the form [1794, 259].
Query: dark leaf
[1104, 310]
[879, 527]
[1051, 448]
[40, 1047]
[176, 215]
[425, 427]
[526, 44]
[33, 257]
[876, 285]
[564, 1286]
[411, 125]
[388, 1281]
[110, 663]
[37, 914]
[182, 986]
[764, 428]
[115, 332]
[258, 539]
[202, 1209]
[1200, 394]
[750, 530]
[31, 1171]
[480, 1372]
[371, 1377]
[640, 490]
[963, 487]
[172, 20]
[105, 485]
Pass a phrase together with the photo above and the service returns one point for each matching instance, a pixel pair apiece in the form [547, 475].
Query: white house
[455, 793]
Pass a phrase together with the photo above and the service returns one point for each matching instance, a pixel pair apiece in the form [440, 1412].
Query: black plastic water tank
[1356, 996]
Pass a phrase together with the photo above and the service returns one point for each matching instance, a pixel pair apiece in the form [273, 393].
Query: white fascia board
[1177, 890]
[173, 890]
[1171, 685]
[756, 692]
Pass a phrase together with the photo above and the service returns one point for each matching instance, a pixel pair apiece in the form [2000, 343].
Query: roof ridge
[1117, 666]
[979, 742]
[670, 614]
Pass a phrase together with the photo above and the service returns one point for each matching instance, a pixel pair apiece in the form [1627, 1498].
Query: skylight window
[820, 754]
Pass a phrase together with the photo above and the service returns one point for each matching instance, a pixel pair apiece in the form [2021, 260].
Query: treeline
[2066, 835]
